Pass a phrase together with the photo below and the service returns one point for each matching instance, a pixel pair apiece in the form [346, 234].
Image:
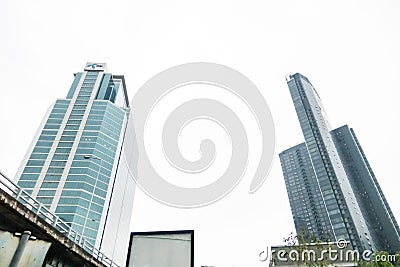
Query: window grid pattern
[306, 202]
[343, 211]
[60, 157]
[84, 195]
[81, 194]
[40, 152]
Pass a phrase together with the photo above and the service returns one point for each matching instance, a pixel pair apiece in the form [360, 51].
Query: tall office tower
[311, 219]
[324, 193]
[78, 163]
[379, 217]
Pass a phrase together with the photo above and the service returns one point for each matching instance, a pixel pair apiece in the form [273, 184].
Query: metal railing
[64, 228]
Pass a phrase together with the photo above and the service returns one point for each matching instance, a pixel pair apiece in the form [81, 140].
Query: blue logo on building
[93, 66]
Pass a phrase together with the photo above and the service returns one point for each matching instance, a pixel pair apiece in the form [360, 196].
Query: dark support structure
[20, 249]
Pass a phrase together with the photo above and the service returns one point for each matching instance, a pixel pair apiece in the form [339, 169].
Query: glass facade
[384, 229]
[78, 165]
[337, 212]
[308, 207]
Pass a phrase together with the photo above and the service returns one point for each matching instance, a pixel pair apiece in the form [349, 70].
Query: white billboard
[161, 249]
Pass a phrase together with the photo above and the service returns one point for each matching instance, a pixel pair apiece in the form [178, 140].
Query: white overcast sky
[348, 49]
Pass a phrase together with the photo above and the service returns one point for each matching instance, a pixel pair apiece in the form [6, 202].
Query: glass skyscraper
[332, 190]
[379, 217]
[78, 163]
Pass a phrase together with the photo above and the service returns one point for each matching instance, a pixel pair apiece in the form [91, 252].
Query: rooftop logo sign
[95, 66]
